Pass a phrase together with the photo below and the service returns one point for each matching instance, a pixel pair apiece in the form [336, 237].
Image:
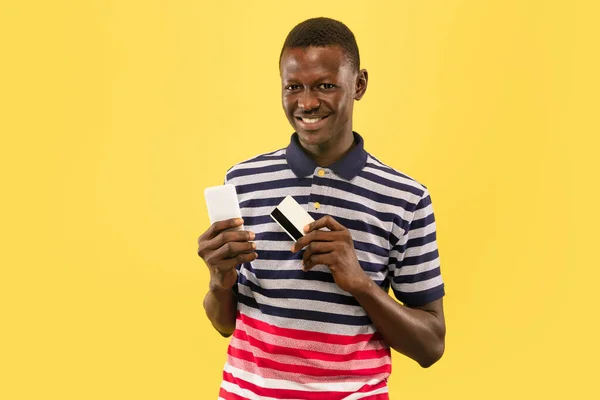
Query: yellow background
[115, 115]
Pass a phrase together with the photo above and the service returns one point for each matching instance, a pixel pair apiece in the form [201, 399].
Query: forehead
[307, 62]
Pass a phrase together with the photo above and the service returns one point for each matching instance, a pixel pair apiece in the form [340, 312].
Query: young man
[314, 319]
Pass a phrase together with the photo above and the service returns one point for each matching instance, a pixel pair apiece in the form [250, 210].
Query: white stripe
[419, 286]
[301, 362]
[416, 269]
[306, 325]
[423, 212]
[355, 396]
[367, 202]
[283, 384]
[321, 286]
[232, 388]
[304, 304]
[269, 193]
[416, 233]
[419, 250]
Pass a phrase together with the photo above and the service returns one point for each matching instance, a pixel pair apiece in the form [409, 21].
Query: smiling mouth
[313, 120]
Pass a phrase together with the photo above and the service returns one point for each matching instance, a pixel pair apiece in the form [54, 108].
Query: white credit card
[291, 217]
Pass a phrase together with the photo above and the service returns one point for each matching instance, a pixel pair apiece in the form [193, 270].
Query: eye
[326, 86]
[292, 87]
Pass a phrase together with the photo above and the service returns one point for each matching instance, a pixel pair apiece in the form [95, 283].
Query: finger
[221, 226]
[316, 259]
[314, 236]
[230, 263]
[317, 248]
[326, 222]
[231, 236]
[231, 250]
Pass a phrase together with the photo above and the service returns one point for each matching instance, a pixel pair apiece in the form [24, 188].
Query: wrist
[363, 286]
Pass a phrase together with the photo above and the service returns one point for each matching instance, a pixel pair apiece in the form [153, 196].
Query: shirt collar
[347, 167]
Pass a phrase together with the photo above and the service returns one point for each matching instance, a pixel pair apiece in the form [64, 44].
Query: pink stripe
[270, 373]
[306, 370]
[298, 360]
[309, 354]
[308, 335]
[269, 338]
[296, 394]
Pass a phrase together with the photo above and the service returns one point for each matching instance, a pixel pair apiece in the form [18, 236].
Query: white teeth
[311, 120]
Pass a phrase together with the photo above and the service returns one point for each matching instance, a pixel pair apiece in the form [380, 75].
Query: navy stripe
[421, 258]
[386, 217]
[266, 157]
[304, 294]
[391, 184]
[422, 276]
[278, 255]
[290, 184]
[423, 222]
[363, 192]
[370, 248]
[386, 168]
[260, 220]
[238, 172]
[270, 201]
[280, 236]
[416, 242]
[291, 274]
[305, 314]
[418, 299]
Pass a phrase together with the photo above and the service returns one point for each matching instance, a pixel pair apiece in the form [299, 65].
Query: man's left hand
[335, 249]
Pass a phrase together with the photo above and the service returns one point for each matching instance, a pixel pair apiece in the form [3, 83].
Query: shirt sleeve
[414, 268]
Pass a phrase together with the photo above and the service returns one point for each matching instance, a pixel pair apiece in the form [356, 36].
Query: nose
[308, 101]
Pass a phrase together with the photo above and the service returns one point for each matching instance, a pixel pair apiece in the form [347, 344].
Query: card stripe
[286, 224]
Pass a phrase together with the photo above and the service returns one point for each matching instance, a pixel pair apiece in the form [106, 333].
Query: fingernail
[253, 245]
[252, 235]
[239, 221]
[306, 228]
[293, 248]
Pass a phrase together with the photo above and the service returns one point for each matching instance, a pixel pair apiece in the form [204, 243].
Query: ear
[361, 84]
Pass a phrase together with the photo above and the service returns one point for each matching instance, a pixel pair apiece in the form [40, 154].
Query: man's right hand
[223, 249]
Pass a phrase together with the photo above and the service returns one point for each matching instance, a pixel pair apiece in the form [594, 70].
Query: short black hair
[323, 32]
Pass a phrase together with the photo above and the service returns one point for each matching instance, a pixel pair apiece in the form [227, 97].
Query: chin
[313, 138]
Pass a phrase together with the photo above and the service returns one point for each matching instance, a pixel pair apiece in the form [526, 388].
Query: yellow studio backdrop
[115, 115]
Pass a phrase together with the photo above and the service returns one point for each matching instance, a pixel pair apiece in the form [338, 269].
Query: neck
[327, 153]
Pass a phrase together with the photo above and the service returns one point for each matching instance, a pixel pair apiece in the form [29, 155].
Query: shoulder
[405, 184]
[258, 164]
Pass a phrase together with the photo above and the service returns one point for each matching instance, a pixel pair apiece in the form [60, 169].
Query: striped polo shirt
[297, 334]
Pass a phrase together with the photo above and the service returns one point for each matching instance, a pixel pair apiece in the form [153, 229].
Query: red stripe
[300, 369]
[296, 394]
[310, 354]
[230, 396]
[308, 335]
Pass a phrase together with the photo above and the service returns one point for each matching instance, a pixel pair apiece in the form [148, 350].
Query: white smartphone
[222, 203]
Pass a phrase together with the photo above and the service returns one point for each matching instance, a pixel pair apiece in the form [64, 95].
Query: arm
[417, 332]
[222, 250]
[220, 307]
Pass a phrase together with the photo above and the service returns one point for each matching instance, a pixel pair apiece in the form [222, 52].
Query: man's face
[319, 87]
